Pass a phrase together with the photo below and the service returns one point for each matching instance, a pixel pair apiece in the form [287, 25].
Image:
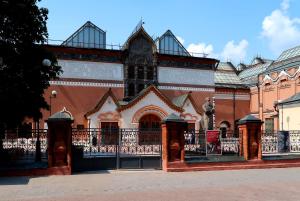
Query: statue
[207, 118]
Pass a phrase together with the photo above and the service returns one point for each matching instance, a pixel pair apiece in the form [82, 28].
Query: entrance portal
[149, 122]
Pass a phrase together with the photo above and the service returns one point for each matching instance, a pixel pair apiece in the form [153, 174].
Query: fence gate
[98, 149]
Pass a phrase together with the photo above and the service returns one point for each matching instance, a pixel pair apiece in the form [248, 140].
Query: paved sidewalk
[268, 184]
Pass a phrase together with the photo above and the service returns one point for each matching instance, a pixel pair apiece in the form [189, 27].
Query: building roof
[87, 36]
[293, 99]
[289, 53]
[180, 101]
[226, 66]
[249, 75]
[109, 93]
[288, 58]
[227, 78]
[146, 91]
[169, 44]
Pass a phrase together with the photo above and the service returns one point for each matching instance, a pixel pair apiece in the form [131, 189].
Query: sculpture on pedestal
[207, 117]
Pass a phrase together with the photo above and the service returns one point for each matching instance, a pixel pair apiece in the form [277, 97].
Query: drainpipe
[234, 91]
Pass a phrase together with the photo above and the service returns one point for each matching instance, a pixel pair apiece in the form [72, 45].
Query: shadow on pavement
[14, 180]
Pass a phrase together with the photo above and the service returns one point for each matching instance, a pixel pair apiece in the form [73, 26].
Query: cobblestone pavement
[269, 184]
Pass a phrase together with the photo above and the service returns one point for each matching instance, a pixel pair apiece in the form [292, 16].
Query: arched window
[131, 89]
[150, 73]
[131, 72]
[224, 128]
[141, 72]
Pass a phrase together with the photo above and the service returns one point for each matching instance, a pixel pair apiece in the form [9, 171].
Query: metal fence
[196, 143]
[22, 145]
[122, 142]
[280, 142]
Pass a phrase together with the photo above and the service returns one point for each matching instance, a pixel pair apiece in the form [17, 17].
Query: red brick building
[140, 83]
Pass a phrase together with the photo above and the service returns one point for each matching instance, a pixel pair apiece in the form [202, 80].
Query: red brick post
[60, 140]
[173, 128]
[250, 129]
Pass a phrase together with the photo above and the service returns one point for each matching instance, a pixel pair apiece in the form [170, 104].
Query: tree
[23, 77]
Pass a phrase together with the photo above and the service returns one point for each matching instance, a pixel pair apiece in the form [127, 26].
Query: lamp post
[52, 95]
[38, 158]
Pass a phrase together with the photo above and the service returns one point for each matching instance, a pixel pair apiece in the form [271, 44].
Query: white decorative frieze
[91, 70]
[185, 76]
[86, 84]
[186, 88]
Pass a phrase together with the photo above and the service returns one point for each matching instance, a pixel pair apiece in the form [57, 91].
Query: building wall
[231, 105]
[289, 117]
[77, 99]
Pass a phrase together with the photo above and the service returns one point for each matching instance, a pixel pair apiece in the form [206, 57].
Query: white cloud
[281, 31]
[202, 48]
[235, 52]
[285, 4]
[181, 40]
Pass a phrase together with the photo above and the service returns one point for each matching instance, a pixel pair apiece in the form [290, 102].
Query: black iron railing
[109, 142]
[19, 144]
[280, 142]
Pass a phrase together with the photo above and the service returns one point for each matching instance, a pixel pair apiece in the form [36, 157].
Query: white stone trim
[186, 88]
[86, 84]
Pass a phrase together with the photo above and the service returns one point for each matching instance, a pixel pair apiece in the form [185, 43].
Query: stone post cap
[173, 118]
[249, 119]
[63, 115]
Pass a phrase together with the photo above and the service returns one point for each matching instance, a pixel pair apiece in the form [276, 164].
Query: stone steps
[254, 164]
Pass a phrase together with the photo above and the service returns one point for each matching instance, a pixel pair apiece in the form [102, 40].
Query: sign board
[213, 142]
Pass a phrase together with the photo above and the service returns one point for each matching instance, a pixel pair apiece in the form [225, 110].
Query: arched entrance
[149, 126]
[149, 122]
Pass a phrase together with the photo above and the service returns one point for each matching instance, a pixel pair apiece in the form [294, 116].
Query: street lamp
[52, 95]
[38, 158]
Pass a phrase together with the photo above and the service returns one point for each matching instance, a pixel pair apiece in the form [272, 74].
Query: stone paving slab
[264, 184]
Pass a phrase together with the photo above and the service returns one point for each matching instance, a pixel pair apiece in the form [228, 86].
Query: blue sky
[232, 30]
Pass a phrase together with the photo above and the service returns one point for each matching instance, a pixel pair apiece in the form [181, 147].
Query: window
[269, 125]
[131, 89]
[150, 73]
[131, 72]
[109, 133]
[141, 72]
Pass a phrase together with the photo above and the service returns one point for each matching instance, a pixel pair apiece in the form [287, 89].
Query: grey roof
[254, 71]
[249, 119]
[61, 116]
[222, 77]
[226, 66]
[173, 118]
[293, 99]
[293, 52]
[180, 100]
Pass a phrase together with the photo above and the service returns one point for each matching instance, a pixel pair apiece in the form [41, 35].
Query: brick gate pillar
[173, 128]
[250, 129]
[60, 140]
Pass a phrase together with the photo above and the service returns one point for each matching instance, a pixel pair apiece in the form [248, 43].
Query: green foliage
[23, 78]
